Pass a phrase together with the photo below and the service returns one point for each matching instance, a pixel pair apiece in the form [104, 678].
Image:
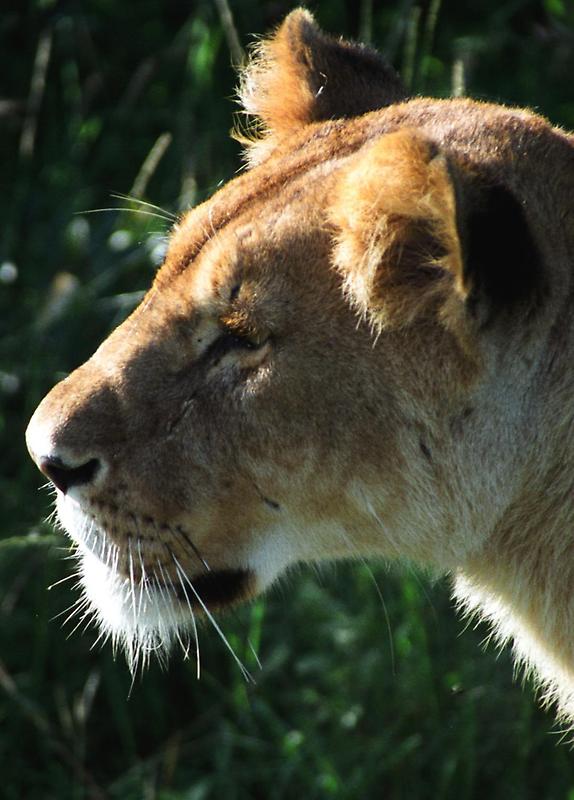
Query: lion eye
[234, 340]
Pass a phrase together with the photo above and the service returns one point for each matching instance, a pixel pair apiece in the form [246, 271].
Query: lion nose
[70, 432]
[64, 476]
[65, 467]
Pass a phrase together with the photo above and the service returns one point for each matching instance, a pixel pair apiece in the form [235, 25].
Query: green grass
[332, 712]
[355, 699]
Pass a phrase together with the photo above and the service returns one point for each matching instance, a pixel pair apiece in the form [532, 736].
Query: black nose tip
[64, 476]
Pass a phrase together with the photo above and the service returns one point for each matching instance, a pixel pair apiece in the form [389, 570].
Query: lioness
[363, 345]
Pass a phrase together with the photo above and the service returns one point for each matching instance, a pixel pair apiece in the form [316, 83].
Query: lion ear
[398, 246]
[300, 75]
[414, 235]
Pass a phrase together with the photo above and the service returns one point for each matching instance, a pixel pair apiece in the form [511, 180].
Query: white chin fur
[138, 617]
[143, 618]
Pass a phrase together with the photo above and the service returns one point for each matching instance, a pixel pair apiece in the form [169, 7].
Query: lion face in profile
[362, 345]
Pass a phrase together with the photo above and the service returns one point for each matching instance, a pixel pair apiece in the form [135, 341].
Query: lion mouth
[214, 590]
[127, 572]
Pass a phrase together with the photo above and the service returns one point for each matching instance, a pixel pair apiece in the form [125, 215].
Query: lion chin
[362, 345]
[144, 613]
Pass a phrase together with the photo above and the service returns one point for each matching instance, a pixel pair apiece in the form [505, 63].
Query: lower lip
[216, 589]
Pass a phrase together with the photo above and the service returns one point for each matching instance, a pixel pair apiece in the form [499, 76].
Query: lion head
[362, 345]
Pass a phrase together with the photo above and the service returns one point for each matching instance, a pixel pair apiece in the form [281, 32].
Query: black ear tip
[502, 262]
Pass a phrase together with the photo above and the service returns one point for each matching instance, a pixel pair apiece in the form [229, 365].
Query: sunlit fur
[362, 345]
[133, 613]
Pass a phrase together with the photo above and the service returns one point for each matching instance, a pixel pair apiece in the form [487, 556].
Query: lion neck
[522, 583]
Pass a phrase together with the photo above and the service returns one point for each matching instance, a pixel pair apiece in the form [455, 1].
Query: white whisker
[254, 653]
[142, 576]
[69, 577]
[159, 209]
[132, 581]
[354, 551]
[245, 672]
[193, 622]
[119, 209]
[165, 581]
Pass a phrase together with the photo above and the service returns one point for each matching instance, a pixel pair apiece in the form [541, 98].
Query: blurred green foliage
[355, 700]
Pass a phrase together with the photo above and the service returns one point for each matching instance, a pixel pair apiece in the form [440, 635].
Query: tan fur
[362, 345]
[300, 75]
[395, 209]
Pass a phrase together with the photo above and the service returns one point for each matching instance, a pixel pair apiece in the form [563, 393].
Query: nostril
[64, 476]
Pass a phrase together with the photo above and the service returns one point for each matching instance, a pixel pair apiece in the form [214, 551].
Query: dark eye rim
[238, 341]
[230, 340]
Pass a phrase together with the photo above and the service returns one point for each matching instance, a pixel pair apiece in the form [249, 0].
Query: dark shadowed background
[355, 699]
